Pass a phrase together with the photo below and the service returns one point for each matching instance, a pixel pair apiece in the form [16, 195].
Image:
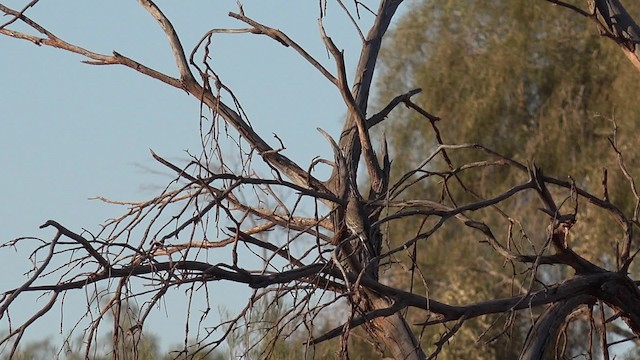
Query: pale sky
[71, 131]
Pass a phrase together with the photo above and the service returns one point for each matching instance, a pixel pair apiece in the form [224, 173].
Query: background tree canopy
[533, 82]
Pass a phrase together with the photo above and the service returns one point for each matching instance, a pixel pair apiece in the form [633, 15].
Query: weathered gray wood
[621, 27]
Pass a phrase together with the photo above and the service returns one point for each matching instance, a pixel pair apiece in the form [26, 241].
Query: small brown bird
[355, 222]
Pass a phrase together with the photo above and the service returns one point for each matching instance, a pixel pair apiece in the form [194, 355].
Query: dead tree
[328, 243]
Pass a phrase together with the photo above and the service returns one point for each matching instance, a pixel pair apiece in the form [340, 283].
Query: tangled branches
[323, 246]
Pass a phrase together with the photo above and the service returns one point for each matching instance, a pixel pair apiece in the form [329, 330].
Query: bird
[355, 222]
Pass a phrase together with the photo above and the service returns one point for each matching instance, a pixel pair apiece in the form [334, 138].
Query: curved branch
[9, 297]
[547, 325]
[283, 39]
[84, 242]
[379, 117]
[172, 36]
[615, 22]
[364, 76]
[357, 114]
[96, 58]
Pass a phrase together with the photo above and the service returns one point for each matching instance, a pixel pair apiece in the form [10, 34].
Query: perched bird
[355, 222]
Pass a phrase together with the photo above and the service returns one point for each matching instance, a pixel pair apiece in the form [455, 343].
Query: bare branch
[541, 335]
[282, 38]
[17, 15]
[172, 36]
[364, 76]
[379, 117]
[614, 22]
[373, 167]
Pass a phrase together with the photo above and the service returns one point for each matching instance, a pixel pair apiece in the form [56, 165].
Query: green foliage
[42, 349]
[271, 330]
[148, 348]
[129, 346]
[534, 82]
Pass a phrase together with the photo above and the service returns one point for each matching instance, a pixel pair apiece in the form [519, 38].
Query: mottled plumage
[355, 222]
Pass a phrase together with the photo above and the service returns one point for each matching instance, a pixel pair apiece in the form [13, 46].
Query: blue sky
[70, 131]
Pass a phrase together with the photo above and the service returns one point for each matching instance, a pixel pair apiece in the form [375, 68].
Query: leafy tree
[531, 82]
[42, 349]
[133, 345]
